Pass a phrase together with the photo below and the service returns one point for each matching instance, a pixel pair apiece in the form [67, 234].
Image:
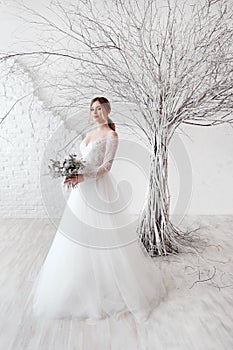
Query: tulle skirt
[96, 271]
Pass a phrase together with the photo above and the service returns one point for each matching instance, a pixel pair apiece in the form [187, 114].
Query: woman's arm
[90, 172]
[97, 172]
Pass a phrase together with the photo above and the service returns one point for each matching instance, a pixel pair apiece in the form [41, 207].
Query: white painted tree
[171, 59]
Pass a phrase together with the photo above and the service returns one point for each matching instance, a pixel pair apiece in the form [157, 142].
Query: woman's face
[98, 113]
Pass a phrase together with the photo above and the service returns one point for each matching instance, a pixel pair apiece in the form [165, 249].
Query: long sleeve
[92, 172]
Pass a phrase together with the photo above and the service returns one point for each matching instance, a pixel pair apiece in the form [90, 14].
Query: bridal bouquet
[69, 167]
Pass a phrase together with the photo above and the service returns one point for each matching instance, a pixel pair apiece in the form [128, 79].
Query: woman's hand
[74, 179]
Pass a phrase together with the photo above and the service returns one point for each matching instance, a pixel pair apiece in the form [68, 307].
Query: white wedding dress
[96, 271]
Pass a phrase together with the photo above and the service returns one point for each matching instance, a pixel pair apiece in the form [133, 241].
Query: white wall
[210, 151]
[24, 135]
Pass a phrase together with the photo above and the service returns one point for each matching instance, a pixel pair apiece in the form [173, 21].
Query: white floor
[196, 316]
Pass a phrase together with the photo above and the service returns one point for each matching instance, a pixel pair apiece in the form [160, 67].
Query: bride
[96, 270]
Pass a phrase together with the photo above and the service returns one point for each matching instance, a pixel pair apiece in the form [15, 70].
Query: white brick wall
[24, 136]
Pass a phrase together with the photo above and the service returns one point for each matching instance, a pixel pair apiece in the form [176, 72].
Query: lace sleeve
[95, 172]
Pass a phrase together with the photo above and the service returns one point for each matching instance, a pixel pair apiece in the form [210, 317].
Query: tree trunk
[158, 235]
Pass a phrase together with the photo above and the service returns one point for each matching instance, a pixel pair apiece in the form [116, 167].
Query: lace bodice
[98, 155]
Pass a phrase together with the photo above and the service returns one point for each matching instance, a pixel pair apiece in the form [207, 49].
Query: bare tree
[171, 59]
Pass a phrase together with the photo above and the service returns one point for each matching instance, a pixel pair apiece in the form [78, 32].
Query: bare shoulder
[113, 133]
[88, 136]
